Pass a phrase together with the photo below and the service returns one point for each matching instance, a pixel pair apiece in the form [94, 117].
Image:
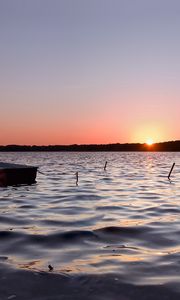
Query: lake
[114, 235]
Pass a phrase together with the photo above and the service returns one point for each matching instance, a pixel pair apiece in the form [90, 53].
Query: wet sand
[28, 285]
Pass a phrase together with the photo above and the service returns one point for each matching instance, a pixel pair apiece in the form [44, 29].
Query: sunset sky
[89, 71]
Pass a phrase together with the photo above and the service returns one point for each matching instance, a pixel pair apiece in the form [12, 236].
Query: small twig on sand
[50, 268]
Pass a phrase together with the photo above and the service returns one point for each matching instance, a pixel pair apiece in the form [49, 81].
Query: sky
[89, 71]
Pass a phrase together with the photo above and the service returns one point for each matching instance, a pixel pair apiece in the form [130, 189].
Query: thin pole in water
[171, 170]
[41, 172]
[77, 177]
[105, 166]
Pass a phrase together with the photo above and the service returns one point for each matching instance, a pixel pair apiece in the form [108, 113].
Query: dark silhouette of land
[164, 146]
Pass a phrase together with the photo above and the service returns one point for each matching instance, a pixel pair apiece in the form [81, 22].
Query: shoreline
[171, 146]
[26, 284]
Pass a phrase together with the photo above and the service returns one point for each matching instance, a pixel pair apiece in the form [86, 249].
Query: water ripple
[123, 221]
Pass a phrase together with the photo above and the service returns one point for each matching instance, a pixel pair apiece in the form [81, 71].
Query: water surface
[123, 221]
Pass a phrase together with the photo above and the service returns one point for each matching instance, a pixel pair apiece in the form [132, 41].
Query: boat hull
[12, 174]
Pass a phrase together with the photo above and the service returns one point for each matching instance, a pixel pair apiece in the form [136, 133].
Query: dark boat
[13, 174]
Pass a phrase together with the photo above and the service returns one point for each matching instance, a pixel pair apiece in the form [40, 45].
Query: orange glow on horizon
[89, 131]
[149, 142]
[150, 133]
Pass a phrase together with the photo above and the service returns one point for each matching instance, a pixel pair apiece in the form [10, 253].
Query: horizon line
[92, 144]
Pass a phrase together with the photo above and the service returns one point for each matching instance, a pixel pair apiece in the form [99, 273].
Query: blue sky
[89, 71]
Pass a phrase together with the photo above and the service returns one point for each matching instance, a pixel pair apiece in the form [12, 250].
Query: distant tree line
[165, 146]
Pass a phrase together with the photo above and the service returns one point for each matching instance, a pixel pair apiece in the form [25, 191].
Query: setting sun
[149, 142]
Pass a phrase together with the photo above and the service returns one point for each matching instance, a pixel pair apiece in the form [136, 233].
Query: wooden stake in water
[77, 177]
[171, 170]
[105, 166]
